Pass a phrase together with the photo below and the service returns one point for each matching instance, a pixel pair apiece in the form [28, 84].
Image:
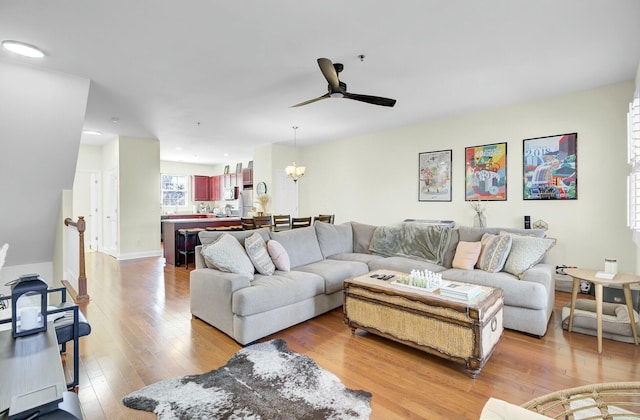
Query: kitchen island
[170, 228]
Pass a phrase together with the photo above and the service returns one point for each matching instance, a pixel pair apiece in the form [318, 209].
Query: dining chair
[247, 223]
[298, 222]
[262, 222]
[326, 218]
[281, 222]
[332, 216]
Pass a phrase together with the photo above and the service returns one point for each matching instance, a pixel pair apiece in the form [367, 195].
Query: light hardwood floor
[143, 332]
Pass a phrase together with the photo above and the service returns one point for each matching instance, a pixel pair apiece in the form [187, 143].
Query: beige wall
[373, 179]
[139, 187]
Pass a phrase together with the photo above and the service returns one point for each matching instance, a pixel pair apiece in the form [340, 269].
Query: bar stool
[186, 241]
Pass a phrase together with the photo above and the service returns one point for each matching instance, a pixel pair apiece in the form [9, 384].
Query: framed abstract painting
[550, 167]
[434, 177]
[486, 172]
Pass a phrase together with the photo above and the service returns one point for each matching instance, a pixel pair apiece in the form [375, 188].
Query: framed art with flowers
[434, 177]
[486, 172]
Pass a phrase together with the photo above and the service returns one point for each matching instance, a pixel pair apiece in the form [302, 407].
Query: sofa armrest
[211, 294]
[198, 258]
[541, 273]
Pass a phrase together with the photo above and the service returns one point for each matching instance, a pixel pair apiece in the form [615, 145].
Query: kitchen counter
[171, 226]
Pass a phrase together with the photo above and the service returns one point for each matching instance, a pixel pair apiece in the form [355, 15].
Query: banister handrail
[80, 225]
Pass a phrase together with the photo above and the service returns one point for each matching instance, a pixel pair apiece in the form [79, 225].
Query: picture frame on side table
[434, 176]
[550, 167]
[486, 172]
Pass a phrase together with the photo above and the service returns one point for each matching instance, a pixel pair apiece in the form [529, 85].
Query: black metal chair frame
[63, 307]
[184, 239]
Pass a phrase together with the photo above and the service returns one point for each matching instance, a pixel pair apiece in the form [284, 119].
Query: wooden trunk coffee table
[462, 331]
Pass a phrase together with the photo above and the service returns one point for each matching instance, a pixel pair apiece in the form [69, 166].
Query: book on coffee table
[460, 291]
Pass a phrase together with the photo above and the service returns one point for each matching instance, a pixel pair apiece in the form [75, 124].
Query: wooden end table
[623, 279]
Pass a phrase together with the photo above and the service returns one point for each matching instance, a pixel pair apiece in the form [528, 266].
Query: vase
[479, 220]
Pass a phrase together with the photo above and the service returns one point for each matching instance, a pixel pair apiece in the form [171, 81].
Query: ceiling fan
[338, 89]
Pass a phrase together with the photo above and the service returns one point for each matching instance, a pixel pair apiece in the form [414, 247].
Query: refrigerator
[245, 202]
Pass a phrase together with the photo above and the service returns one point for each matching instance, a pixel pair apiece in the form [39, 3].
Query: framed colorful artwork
[550, 167]
[434, 177]
[486, 172]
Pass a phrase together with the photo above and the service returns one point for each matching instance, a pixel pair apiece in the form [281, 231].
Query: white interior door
[96, 213]
[287, 193]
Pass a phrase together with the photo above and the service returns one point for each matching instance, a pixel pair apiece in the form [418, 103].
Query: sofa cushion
[362, 235]
[257, 252]
[526, 251]
[523, 294]
[272, 292]
[301, 245]
[334, 239]
[226, 254]
[209, 236]
[403, 265]
[494, 252]
[474, 234]
[278, 255]
[356, 256]
[335, 272]
[466, 255]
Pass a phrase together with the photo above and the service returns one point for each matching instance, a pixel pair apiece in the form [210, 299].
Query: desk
[623, 279]
[28, 364]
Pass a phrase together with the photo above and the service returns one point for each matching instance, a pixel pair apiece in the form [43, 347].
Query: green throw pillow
[526, 251]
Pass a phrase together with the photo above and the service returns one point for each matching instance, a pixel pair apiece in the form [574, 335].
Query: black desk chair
[69, 327]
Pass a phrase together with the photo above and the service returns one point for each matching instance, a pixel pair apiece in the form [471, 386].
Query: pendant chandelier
[294, 171]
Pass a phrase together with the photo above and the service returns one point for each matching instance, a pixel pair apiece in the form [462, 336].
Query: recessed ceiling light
[23, 49]
[178, 148]
[92, 132]
[226, 155]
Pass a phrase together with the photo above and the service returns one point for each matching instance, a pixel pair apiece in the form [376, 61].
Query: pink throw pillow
[278, 255]
[467, 254]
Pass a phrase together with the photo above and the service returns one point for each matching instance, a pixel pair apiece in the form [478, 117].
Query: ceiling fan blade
[329, 73]
[375, 100]
[325, 96]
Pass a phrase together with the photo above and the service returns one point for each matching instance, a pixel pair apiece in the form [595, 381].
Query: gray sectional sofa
[322, 256]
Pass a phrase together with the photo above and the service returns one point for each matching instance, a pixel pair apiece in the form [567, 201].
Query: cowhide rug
[262, 381]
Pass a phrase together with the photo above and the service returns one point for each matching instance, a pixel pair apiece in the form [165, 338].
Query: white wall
[41, 117]
[373, 179]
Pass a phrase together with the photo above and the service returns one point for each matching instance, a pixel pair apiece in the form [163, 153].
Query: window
[633, 182]
[173, 190]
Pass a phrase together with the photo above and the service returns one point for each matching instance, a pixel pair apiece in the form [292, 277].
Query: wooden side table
[623, 279]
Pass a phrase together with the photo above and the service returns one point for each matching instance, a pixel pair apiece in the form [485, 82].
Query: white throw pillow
[226, 254]
[279, 255]
[257, 250]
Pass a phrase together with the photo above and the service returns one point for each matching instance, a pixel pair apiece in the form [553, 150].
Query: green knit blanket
[412, 240]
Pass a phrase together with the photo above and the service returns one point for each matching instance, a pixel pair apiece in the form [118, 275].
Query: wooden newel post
[82, 277]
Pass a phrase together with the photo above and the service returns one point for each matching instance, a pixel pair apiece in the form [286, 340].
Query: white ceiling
[160, 67]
